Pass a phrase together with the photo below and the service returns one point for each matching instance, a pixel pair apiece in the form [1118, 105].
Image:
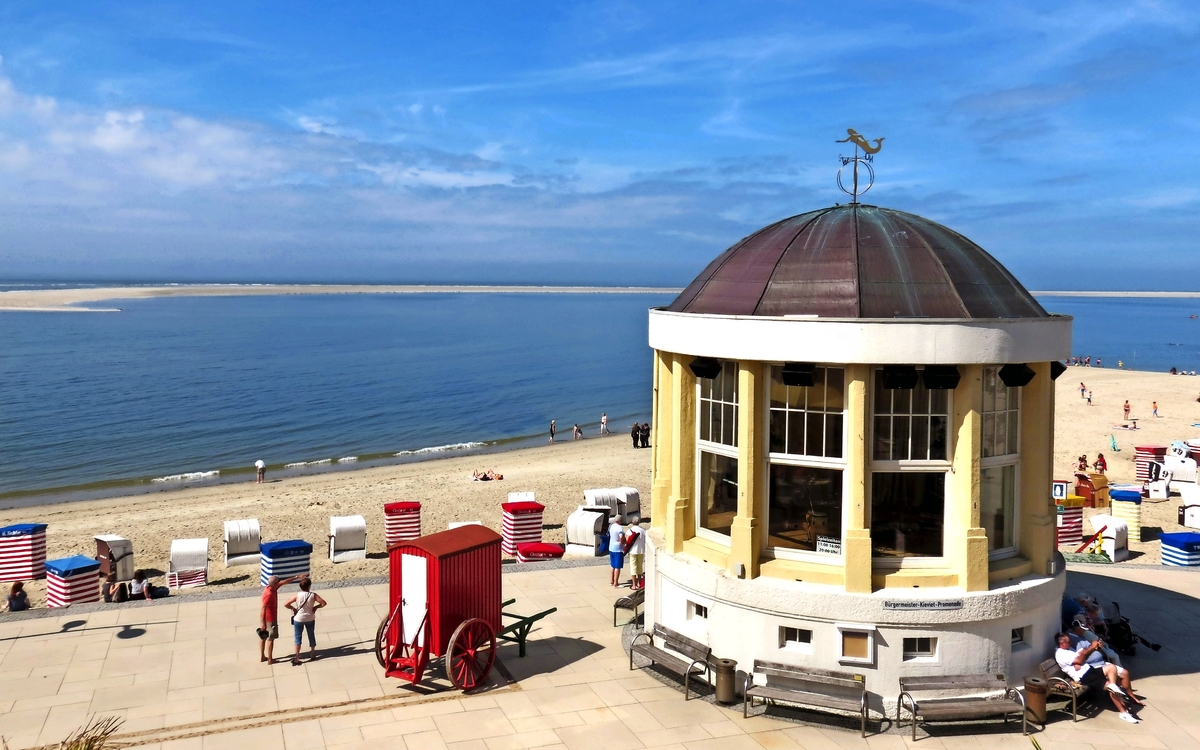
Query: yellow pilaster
[856, 544]
[660, 471]
[680, 514]
[745, 535]
[966, 541]
[1037, 516]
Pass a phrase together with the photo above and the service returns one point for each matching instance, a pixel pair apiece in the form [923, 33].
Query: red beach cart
[445, 603]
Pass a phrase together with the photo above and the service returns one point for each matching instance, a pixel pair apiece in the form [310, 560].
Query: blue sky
[583, 142]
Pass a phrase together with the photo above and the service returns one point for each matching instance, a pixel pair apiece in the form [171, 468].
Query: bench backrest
[679, 642]
[1051, 669]
[956, 682]
[813, 680]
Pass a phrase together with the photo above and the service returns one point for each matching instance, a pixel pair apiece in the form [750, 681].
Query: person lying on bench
[1087, 667]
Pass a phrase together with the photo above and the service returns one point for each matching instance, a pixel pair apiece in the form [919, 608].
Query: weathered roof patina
[858, 261]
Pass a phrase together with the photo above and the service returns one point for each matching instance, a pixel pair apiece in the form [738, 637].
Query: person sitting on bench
[1087, 667]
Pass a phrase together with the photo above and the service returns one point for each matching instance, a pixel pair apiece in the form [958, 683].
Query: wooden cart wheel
[470, 654]
[381, 642]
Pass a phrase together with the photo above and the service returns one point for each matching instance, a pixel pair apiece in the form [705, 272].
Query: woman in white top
[304, 606]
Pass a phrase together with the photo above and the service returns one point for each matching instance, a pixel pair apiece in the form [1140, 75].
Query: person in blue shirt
[616, 549]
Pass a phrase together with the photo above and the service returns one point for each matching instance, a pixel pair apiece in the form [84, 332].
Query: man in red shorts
[268, 616]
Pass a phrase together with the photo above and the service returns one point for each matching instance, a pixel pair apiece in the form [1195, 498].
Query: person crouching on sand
[260, 471]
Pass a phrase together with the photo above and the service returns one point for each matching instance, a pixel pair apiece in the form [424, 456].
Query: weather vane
[868, 155]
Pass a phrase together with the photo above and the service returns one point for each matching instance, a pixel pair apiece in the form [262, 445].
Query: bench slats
[681, 643]
[805, 697]
[968, 710]
[823, 676]
[953, 682]
[666, 658]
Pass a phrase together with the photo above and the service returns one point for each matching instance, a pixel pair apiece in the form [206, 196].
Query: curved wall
[856, 341]
[744, 618]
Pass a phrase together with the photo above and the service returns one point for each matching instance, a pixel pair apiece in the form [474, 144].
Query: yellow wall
[674, 483]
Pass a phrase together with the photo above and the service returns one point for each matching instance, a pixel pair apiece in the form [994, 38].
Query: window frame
[937, 466]
[814, 462]
[1007, 459]
[720, 449]
[933, 656]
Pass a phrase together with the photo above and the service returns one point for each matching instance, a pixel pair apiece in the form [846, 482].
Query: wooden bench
[679, 653]
[959, 697]
[1058, 683]
[631, 602]
[814, 688]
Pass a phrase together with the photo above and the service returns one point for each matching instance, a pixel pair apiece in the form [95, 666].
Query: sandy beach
[1082, 429]
[76, 300]
[299, 507]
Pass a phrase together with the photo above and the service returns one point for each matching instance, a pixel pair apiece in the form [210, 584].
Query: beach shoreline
[299, 507]
[74, 300]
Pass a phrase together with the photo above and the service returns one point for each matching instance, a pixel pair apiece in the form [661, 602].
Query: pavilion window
[717, 467]
[910, 448]
[1000, 464]
[807, 463]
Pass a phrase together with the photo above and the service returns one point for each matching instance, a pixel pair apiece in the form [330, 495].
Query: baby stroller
[1118, 634]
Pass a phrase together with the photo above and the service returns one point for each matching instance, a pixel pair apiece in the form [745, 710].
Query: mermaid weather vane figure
[868, 155]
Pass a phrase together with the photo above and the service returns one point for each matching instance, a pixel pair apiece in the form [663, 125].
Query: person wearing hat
[1086, 666]
[268, 617]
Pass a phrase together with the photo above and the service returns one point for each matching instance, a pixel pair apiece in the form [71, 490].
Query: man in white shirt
[635, 543]
[260, 468]
[1087, 667]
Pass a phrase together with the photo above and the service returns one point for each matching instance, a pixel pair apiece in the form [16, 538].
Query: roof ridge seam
[729, 256]
[936, 259]
[784, 252]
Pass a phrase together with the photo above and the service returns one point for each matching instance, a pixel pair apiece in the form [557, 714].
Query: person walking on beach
[552, 430]
[304, 606]
[604, 424]
[645, 434]
[1082, 390]
[635, 432]
[1126, 408]
[1089, 398]
[1154, 409]
[1101, 465]
[616, 550]
[261, 470]
[268, 617]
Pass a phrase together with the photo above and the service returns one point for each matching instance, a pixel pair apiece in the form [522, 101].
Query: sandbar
[75, 300]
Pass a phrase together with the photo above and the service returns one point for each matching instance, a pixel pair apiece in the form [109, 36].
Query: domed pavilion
[854, 417]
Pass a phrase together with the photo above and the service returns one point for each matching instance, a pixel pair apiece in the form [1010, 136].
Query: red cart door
[414, 601]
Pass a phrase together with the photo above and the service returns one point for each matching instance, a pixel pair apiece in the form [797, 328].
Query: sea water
[186, 390]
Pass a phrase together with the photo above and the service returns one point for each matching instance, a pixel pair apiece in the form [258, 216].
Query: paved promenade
[186, 674]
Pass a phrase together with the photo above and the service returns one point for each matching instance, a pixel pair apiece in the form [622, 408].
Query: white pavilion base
[746, 620]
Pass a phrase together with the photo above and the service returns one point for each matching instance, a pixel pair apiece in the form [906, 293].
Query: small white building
[854, 415]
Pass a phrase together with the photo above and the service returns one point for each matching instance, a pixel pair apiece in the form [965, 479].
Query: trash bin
[1035, 699]
[726, 672]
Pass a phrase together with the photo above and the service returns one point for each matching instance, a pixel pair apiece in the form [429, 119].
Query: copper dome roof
[857, 261]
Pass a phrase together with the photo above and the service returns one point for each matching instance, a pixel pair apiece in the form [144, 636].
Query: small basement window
[920, 648]
[1020, 636]
[795, 638]
[697, 610]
